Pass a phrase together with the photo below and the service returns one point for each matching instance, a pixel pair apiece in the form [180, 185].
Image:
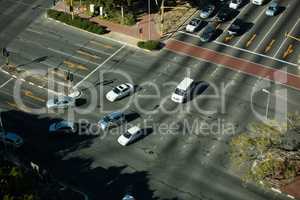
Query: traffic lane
[240, 53]
[59, 30]
[15, 24]
[289, 44]
[26, 95]
[282, 24]
[247, 13]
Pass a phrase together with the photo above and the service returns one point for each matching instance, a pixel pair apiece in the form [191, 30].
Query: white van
[183, 89]
[258, 2]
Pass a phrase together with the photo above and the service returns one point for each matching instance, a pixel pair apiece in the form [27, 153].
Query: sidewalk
[127, 34]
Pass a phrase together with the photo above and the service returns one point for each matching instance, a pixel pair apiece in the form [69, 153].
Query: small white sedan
[194, 25]
[131, 135]
[60, 102]
[120, 92]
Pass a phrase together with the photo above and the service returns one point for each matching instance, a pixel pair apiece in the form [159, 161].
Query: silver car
[207, 11]
[60, 102]
[272, 9]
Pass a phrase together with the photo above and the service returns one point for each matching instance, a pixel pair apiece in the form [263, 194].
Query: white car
[235, 4]
[193, 25]
[131, 135]
[60, 102]
[62, 126]
[120, 92]
[11, 139]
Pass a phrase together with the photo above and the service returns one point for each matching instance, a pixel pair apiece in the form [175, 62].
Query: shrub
[150, 45]
[78, 22]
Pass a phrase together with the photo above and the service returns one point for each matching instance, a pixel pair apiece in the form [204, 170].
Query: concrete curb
[279, 191]
[97, 35]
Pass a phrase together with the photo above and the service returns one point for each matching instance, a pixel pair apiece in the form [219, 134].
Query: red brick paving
[139, 31]
[234, 63]
[293, 188]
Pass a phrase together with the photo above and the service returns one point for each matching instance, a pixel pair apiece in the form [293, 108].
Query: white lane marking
[224, 66]
[267, 34]
[245, 50]
[112, 55]
[240, 14]
[1, 86]
[258, 54]
[292, 30]
[255, 20]
[72, 56]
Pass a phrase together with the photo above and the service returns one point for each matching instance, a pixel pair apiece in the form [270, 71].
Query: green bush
[78, 22]
[150, 45]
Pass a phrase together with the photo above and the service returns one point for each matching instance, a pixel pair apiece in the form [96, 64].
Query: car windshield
[234, 26]
[127, 135]
[106, 119]
[207, 9]
[179, 92]
[194, 22]
[116, 90]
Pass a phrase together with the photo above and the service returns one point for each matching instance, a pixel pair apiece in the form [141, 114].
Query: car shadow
[80, 101]
[200, 87]
[244, 3]
[131, 116]
[281, 9]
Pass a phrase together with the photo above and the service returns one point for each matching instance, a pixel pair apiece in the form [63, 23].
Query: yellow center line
[29, 94]
[87, 54]
[14, 105]
[73, 65]
[269, 46]
[288, 51]
[251, 40]
[103, 45]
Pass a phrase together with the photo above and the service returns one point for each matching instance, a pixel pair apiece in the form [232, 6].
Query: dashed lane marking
[269, 46]
[288, 51]
[75, 65]
[102, 45]
[30, 94]
[245, 50]
[84, 53]
[292, 30]
[72, 56]
[14, 105]
[267, 34]
[251, 40]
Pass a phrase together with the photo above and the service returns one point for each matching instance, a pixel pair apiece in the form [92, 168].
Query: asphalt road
[175, 160]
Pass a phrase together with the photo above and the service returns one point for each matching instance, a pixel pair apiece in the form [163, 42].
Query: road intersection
[179, 162]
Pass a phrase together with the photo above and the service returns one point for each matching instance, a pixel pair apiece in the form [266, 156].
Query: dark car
[208, 33]
[225, 14]
[236, 28]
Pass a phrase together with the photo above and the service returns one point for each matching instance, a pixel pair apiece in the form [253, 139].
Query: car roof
[115, 114]
[122, 86]
[185, 83]
[134, 129]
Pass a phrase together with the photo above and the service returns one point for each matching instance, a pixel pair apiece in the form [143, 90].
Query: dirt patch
[175, 17]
